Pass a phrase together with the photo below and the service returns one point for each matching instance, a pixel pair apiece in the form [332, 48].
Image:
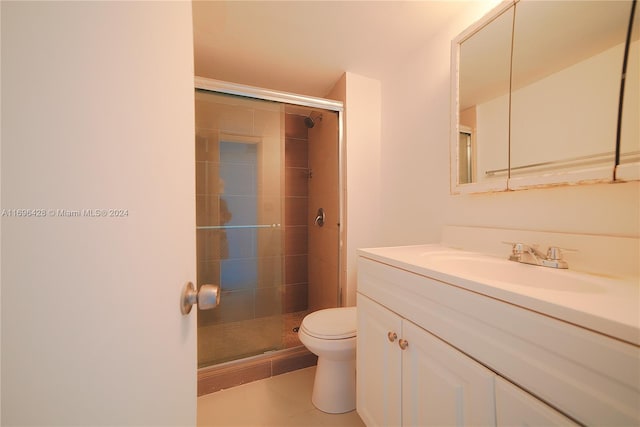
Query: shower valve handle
[208, 297]
[319, 221]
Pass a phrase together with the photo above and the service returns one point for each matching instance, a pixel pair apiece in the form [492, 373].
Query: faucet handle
[519, 248]
[555, 253]
[554, 257]
[516, 248]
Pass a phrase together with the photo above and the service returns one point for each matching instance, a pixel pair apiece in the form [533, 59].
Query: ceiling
[305, 46]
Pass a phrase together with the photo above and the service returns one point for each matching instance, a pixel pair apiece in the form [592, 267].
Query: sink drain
[296, 329]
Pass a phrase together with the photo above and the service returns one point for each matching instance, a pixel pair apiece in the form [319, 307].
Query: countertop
[608, 305]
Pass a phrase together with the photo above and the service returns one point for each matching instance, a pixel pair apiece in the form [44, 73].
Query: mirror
[483, 59]
[566, 69]
[543, 111]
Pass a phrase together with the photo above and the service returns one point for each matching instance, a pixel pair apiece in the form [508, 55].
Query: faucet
[529, 254]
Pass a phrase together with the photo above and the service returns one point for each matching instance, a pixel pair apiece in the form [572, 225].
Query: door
[442, 386]
[239, 215]
[516, 407]
[98, 213]
[379, 364]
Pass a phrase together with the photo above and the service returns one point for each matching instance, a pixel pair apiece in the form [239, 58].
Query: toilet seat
[331, 323]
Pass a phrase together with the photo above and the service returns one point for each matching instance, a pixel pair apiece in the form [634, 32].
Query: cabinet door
[441, 385]
[516, 407]
[378, 365]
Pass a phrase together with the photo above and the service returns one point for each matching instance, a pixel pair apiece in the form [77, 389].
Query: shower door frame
[229, 88]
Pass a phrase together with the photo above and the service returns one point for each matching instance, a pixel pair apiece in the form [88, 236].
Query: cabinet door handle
[392, 336]
[403, 344]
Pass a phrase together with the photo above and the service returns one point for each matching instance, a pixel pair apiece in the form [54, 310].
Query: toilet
[331, 335]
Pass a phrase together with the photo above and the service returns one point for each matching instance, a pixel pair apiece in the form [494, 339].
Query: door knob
[403, 344]
[392, 336]
[207, 298]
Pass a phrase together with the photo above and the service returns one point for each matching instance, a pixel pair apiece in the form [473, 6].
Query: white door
[98, 213]
[379, 361]
[441, 386]
[516, 407]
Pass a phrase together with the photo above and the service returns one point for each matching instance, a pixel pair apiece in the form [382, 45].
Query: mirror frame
[608, 173]
[473, 187]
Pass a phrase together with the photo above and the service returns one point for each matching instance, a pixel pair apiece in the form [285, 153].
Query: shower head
[310, 121]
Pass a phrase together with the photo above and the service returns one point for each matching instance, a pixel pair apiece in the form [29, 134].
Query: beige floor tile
[284, 400]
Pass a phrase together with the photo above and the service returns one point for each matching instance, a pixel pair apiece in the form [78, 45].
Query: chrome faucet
[531, 255]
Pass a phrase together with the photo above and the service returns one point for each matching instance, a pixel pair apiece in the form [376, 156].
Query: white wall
[361, 161]
[574, 127]
[415, 200]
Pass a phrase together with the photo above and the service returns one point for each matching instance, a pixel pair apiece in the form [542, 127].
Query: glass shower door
[239, 207]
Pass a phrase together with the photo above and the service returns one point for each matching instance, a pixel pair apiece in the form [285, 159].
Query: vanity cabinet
[515, 407]
[407, 376]
[470, 359]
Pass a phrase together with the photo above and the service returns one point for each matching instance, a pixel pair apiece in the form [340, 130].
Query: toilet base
[334, 387]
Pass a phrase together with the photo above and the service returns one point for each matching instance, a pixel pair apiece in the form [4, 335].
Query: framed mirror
[566, 71]
[536, 96]
[481, 57]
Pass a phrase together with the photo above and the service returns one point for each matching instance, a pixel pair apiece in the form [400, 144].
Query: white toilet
[331, 335]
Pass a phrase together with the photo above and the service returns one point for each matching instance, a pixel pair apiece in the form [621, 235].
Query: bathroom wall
[415, 165]
[361, 151]
[312, 182]
[296, 283]
[324, 193]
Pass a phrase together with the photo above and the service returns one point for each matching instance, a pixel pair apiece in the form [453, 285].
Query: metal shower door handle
[207, 298]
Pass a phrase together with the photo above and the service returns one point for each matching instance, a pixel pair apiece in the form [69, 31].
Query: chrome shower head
[310, 121]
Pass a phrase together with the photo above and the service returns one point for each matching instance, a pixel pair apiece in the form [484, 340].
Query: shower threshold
[238, 372]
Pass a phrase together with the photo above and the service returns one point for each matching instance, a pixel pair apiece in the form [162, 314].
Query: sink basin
[485, 268]
[606, 304]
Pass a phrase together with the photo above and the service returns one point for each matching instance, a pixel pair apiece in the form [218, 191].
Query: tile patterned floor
[284, 400]
[237, 340]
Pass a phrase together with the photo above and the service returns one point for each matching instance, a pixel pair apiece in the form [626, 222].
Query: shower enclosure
[263, 169]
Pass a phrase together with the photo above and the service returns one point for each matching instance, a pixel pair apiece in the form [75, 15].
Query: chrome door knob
[207, 298]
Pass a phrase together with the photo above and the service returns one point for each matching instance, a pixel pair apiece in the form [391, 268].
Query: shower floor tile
[223, 342]
[283, 400]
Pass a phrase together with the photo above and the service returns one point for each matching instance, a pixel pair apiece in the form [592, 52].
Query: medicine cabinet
[536, 96]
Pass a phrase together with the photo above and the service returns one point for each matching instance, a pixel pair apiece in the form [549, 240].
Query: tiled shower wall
[296, 214]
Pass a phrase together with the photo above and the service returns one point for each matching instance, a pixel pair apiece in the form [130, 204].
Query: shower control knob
[392, 336]
[207, 298]
[403, 344]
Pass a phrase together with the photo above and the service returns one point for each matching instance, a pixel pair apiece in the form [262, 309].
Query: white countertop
[607, 305]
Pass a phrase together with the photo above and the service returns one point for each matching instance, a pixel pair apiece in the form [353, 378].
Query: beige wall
[415, 166]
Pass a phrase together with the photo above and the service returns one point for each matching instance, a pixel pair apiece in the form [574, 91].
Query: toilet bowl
[331, 335]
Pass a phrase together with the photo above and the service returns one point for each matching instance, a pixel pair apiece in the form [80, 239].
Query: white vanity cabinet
[515, 407]
[407, 376]
[470, 359]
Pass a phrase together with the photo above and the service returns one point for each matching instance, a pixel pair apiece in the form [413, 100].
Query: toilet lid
[331, 323]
